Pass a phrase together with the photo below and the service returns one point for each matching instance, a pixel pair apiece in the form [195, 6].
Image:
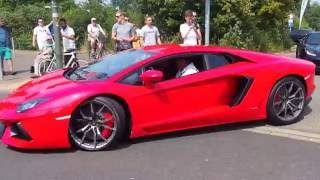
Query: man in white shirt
[190, 31]
[68, 39]
[149, 34]
[185, 67]
[40, 34]
[68, 36]
[94, 31]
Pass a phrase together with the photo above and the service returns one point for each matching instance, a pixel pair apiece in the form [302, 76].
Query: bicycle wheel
[52, 67]
[43, 66]
[74, 64]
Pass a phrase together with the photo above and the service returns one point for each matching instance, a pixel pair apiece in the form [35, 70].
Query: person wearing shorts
[5, 51]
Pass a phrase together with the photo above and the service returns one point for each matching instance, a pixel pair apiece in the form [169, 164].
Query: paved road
[204, 155]
[225, 152]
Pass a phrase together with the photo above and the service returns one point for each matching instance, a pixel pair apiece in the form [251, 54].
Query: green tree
[312, 16]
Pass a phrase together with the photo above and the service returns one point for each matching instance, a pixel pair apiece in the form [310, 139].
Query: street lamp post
[207, 22]
[56, 31]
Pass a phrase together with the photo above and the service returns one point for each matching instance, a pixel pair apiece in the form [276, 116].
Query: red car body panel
[197, 100]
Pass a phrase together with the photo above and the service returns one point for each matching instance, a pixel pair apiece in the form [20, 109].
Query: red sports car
[154, 90]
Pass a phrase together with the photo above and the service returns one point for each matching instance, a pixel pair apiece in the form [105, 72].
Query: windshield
[109, 66]
[313, 39]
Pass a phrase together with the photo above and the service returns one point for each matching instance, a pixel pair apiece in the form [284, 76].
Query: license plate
[1, 130]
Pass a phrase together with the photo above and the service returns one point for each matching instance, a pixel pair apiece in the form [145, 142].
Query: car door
[194, 100]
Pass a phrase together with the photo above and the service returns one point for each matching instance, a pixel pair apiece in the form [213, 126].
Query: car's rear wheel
[286, 102]
[97, 124]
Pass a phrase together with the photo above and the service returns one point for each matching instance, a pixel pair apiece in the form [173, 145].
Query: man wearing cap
[94, 31]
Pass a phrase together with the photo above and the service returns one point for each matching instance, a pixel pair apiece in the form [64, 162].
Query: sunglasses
[117, 16]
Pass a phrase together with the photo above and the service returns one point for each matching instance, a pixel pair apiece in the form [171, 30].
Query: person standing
[196, 24]
[5, 48]
[189, 31]
[68, 36]
[122, 33]
[149, 34]
[40, 34]
[290, 22]
[68, 39]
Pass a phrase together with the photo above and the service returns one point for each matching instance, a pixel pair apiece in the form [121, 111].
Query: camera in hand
[195, 24]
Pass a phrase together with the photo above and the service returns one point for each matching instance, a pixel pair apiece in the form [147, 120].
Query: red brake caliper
[109, 122]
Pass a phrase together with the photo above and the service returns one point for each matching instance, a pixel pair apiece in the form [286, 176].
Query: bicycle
[49, 65]
[98, 50]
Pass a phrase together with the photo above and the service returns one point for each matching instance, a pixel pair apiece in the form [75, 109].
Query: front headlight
[310, 53]
[29, 105]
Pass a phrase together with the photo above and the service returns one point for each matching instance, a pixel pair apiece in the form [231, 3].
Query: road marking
[292, 134]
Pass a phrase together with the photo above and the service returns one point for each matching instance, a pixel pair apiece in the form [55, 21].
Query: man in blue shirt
[5, 47]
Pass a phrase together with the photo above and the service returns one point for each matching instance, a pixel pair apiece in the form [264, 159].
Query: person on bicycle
[94, 32]
[122, 33]
[68, 39]
[45, 53]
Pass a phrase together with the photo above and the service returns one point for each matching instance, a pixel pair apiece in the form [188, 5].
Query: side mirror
[151, 76]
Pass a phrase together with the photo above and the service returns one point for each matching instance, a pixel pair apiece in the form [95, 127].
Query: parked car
[137, 93]
[298, 34]
[309, 48]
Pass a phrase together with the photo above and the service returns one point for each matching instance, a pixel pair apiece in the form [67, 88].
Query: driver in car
[185, 67]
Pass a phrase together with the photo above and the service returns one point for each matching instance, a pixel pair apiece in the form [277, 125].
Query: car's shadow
[129, 142]
[198, 131]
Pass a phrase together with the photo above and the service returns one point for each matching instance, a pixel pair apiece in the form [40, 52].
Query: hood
[49, 85]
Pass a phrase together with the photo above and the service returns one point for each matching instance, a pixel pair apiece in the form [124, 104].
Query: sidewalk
[22, 62]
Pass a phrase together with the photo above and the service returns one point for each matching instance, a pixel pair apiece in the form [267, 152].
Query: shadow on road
[193, 132]
[128, 142]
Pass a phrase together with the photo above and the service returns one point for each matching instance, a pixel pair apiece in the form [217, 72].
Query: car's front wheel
[97, 124]
[286, 102]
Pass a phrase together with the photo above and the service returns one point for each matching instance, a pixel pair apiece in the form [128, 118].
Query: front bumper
[35, 132]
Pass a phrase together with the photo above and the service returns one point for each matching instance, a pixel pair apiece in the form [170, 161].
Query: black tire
[286, 102]
[91, 130]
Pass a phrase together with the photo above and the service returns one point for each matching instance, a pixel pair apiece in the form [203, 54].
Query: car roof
[243, 53]
[314, 33]
[170, 48]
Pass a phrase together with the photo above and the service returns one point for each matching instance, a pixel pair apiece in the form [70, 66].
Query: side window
[133, 78]
[178, 66]
[217, 60]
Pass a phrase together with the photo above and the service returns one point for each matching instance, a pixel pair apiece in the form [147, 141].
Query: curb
[287, 133]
